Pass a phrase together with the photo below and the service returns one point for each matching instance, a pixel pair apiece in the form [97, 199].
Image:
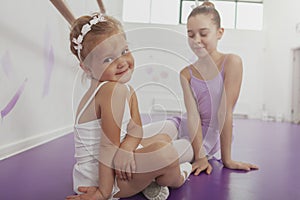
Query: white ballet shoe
[185, 169]
[156, 192]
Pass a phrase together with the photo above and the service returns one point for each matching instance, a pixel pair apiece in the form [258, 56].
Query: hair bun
[207, 4]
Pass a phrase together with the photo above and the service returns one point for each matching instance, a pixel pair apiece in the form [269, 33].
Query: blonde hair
[207, 8]
[103, 28]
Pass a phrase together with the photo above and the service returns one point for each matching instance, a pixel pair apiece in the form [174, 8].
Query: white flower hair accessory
[84, 30]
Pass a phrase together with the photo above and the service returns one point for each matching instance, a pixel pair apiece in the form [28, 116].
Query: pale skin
[123, 161]
[203, 38]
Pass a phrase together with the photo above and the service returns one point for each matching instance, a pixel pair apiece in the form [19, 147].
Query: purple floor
[45, 172]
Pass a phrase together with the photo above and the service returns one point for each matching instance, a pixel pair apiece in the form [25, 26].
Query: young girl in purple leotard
[211, 87]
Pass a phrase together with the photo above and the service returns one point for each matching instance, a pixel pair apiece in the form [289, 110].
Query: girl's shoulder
[232, 59]
[111, 90]
[185, 72]
[232, 62]
[233, 65]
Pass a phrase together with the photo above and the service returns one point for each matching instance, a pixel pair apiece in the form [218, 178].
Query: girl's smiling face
[203, 34]
[110, 60]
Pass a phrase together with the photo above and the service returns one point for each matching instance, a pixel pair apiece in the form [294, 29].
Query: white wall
[281, 36]
[266, 54]
[248, 44]
[33, 35]
[173, 39]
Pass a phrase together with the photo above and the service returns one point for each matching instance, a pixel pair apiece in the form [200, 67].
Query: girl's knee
[166, 152]
[172, 178]
[178, 183]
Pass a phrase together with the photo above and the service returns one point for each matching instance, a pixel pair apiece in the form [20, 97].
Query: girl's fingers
[209, 169]
[125, 171]
[73, 197]
[253, 166]
[82, 189]
[248, 166]
[124, 177]
[194, 167]
[118, 174]
[128, 173]
[69, 197]
[198, 171]
[133, 167]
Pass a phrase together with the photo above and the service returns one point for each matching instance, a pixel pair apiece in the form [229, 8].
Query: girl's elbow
[224, 116]
[224, 111]
[105, 194]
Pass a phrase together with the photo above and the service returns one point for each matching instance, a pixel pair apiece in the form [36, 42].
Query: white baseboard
[28, 143]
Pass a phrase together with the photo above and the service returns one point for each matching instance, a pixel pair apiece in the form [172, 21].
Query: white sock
[184, 150]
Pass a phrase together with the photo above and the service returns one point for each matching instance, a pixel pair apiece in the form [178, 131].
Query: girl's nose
[197, 38]
[121, 63]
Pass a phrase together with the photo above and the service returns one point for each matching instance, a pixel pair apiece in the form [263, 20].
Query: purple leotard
[208, 96]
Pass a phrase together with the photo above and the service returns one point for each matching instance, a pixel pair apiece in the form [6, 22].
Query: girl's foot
[156, 192]
[185, 169]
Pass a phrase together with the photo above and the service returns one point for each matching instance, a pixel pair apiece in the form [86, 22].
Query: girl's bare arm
[232, 85]
[200, 162]
[64, 10]
[101, 6]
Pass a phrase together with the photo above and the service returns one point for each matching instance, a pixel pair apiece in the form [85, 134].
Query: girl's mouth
[198, 47]
[122, 72]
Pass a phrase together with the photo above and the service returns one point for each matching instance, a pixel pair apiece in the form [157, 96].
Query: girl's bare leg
[167, 131]
[158, 161]
[152, 132]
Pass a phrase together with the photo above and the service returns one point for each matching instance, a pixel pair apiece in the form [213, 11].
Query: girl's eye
[125, 51]
[203, 33]
[108, 60]
[191, 35]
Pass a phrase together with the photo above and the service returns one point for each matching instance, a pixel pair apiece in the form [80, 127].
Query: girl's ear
[220, 33]
[85, 68]
[82, 66]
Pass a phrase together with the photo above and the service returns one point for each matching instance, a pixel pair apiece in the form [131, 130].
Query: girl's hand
[124, 164]
[239, 165]
[200, 165]
[90, 193]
